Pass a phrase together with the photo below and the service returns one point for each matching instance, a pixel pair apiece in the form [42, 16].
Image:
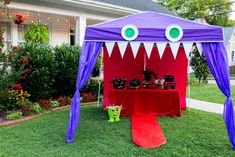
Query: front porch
[62, 28]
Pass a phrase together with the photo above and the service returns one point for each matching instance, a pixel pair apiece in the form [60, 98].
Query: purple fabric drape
[152, 27]
[88, 56]
[216, 57]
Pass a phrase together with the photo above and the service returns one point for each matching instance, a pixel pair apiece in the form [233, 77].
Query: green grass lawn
[195, 134]
[209, 92]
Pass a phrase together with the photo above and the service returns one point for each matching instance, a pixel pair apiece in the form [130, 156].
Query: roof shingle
[143, 5]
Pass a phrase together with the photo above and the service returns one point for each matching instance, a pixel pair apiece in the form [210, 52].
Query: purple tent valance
[152, 27]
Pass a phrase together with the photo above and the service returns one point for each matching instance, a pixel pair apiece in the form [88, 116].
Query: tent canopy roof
[152, 26]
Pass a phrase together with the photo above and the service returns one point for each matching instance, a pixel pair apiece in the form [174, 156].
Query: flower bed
[4, 122]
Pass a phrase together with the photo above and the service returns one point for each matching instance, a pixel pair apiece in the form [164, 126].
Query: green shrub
[14, 115]
[37, 32]
[36, 108]
[44, 72]
[10, 71]
[96, 71]
[66, 57]
[55, 104]
[199, 65]
[39, 80]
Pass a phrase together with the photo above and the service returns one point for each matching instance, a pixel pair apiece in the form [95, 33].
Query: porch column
[80, 30]
[14, 34]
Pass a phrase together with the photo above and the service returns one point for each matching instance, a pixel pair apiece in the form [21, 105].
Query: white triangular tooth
[109, 46]
[122, 47]
[135, 47]
[148, 47]
[161, 48]
[174, 48]
[188, 46]
[199, 47]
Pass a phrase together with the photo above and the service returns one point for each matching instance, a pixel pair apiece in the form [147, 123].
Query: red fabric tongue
[146, 131]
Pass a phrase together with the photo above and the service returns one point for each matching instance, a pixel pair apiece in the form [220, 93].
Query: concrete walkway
[205, 106]
[232, 82]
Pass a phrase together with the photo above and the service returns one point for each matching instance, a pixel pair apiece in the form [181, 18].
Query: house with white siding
[67, 19]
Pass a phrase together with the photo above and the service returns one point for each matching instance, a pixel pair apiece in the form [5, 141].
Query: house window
[232, 56]
[7, 34]
[21, 31]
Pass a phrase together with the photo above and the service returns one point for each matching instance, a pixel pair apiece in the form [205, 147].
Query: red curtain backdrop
[127, 67]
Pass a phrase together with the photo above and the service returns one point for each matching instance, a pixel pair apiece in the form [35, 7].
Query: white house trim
[80, 27]
[50, 10]
[14, 34]
[104, 6]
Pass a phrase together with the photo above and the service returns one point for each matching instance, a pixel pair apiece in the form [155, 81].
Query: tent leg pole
[101, 66]
[189, 92]
[189, 85]
[98, 102]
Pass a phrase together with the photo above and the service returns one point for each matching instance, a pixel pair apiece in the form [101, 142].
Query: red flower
[27, 70]
[15, 47]
[19, 19]
[1, 37]
[0, 49]
[45, 103]
[18, 86]
[26, 61]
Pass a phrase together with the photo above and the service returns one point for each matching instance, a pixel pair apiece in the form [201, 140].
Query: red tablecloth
[146, 101]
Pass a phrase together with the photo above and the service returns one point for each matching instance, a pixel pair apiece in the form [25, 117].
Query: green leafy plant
[14, 115]
[11, 67]
[11, 71]
[55, 104]
[37, 32]
[39, 78]
[96, 70]
[201, 8]
[66, 57]
[8, 100]
[11, 99]
[36, 108]
[200, 67]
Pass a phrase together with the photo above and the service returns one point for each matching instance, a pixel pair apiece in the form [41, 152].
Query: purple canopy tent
[152, 28]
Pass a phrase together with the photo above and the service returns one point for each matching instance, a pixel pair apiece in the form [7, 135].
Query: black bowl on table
[134, 83]
[119, 83]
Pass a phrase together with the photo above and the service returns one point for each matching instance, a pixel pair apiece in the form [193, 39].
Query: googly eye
[130, 32]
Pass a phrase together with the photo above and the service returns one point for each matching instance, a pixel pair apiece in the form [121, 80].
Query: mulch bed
[4, 122]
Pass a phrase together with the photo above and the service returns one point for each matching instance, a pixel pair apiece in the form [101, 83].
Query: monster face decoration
[130, 32]
[174, 33]
[114, 113]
